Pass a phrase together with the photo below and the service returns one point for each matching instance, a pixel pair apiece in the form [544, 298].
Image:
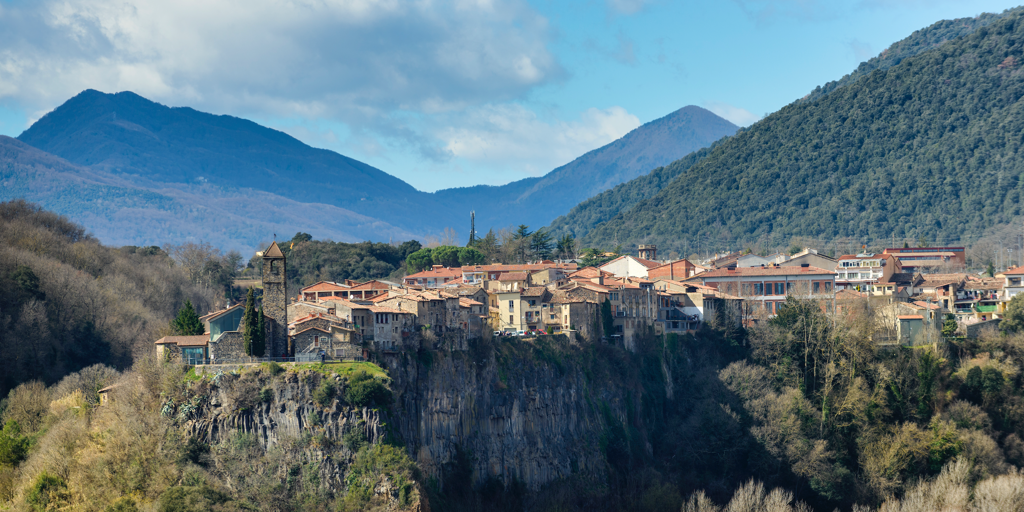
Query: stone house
[317, 331]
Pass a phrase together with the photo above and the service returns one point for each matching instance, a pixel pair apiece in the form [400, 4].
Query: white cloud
[367, 63]
[735, 115]
[530, 145]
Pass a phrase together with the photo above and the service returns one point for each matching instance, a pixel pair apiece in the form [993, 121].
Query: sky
[448, 94]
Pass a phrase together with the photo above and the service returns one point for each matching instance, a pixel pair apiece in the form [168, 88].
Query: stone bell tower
[275, 302]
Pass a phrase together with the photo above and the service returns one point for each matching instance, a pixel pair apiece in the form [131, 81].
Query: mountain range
[181, 174]
[920, 141]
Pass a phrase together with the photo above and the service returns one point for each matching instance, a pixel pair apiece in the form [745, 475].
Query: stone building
[329, 333]
[275, 302]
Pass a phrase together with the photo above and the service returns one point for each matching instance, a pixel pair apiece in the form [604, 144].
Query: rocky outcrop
[278, 408]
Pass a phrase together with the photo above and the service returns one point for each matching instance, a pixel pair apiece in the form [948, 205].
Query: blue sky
[445, 94]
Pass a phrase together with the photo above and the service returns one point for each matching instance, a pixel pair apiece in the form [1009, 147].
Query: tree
[540, 244]
[566, 247]
[471, 256]
[1013, 317]
[991, 270]
[419, 260]
[607, 320]
[449, 237]
[302, 237]
[249, 322]
[949, 326]
[187, 323]
[472, 229]
[489, 245]
[447, 255]
[259, 341]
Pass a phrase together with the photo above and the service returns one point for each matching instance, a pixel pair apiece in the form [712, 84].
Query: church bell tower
[275, 302]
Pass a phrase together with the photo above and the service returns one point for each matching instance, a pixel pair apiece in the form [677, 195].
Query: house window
[275, 267]
[817, 287]
[511, 305]
[780, 288]
[510, 320]
[758, 288]
[552, 317]
[828, 286]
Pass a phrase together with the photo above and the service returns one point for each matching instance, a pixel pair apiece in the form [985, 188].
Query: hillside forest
[919, 149]
[801, 411]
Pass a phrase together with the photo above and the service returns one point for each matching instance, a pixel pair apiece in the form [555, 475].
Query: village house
[766, 288]
[807, 256]
[316, 332]
[629, 266]
[921, 259]
[863, 272]
[1013, 282]
[679, 269]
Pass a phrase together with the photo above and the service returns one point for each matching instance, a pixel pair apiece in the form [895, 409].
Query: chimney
[435, 268]
[599, 279]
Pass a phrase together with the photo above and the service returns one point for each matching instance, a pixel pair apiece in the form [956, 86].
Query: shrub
[46, 491]
[324, 393]
[123, 504]
[362, 393]
[266, 395]
[274, 369]
[188, 499]
[13, 445]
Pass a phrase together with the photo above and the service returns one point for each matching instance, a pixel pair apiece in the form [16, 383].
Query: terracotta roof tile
[200, 340]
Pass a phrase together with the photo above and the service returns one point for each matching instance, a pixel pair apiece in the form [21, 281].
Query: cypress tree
[607, 320]
[187, 322]
[249, 322]
[259, 346]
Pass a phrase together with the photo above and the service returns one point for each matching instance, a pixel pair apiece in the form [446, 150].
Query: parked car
[521, 333]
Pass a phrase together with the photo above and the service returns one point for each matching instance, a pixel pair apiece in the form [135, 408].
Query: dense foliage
[311, 261]
[67, 302]
[59, 450]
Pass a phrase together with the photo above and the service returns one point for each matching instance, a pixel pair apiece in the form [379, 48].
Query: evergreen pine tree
[187, 322]
[259, 345]
[249, 322]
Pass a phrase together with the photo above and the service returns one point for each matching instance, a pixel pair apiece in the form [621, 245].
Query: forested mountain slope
[606, 205]
[536, 201]
[922, 40]
[67, 302]
[122, 210]
[149, 143]
[928, 148]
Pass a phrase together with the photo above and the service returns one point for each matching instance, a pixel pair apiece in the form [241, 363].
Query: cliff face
[517, 418]
[511, 414]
